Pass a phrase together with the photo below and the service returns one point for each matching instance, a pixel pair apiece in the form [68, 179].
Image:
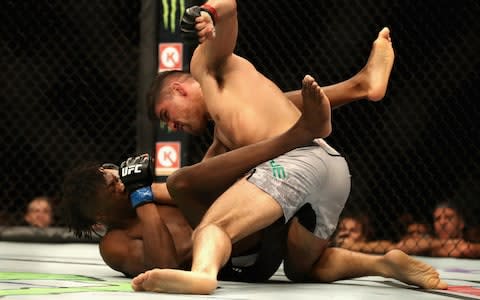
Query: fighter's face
[447, 223]
[184, 109]
[39, 213]
[417, 230]
[350, 229]
[112, 179]
[115, 204]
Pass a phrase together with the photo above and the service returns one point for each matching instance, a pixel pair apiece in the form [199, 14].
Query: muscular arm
[132, 252]
[212, 53]
[216, 148]
[158, 246]
[122, 253]
[161, 195]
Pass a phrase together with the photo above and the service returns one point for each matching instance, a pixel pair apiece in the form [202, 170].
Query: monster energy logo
[278, 171]
[170, 8]
[164, 126]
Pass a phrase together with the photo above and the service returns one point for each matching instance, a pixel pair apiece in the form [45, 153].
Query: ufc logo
[131, 169]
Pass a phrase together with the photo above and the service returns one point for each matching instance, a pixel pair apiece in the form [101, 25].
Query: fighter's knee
[213, 231]
[310, 274]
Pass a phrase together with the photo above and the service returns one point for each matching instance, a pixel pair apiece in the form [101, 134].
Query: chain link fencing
[69, 94]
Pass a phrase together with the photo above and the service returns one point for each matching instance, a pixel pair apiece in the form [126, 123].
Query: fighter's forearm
[158, 247]
[161, 195]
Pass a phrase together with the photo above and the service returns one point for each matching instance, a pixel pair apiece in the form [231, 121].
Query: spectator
[447, 239]
[417, 229]
[353, 227]
[448, 221]
[413, 227]
[355, 233]
[416, 235]
[448, 224]
[39, 212]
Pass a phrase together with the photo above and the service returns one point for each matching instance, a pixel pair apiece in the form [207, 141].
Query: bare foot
[174, 282]
[376, 72]
[402, 267]
[316, 116]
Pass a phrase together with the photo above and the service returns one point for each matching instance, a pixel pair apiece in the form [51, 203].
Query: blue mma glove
[136, 173]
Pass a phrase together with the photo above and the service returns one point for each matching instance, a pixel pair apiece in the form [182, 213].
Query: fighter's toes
[384, 33]
[137, 282]
[309, 86]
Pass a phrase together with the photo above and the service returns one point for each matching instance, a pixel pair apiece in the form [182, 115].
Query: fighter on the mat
[144, 235]
[145, 230]
[247, 108]
[156, 233]
[332, 265]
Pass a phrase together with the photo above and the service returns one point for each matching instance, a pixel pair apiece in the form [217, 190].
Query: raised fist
[192, 33]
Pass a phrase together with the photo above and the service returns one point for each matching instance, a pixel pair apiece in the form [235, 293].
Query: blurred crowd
[446, 235]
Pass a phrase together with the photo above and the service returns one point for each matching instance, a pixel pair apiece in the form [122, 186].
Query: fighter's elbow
[179, 182]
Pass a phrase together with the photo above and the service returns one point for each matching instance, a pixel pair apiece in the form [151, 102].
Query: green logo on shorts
[278, 171]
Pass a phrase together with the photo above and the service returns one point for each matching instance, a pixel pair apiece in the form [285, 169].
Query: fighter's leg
[303, 251]
[369, 83]
[337, 263]
[195, 187]
[242, 210]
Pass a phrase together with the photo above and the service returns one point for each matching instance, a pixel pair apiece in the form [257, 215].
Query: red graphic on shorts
[167, 158]
[170, 56]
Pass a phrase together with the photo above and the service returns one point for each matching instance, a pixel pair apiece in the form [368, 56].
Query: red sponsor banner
[170, 56]
[167, 158]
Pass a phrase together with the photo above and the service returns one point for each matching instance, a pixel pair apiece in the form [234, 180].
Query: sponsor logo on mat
[21, 283]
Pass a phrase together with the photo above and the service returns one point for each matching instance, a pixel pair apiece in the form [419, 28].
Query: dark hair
[364, 220]
[80, 198]
[156, 87]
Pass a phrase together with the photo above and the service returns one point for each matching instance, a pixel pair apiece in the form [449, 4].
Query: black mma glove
[187, 24]
[136, 173]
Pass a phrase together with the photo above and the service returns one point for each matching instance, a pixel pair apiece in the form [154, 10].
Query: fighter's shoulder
[113, 236]
[199, 67]
[238, 62]
[109, 245]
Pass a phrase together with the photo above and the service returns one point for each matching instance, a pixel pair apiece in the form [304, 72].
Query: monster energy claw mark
[278, 170]
[170, 13]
